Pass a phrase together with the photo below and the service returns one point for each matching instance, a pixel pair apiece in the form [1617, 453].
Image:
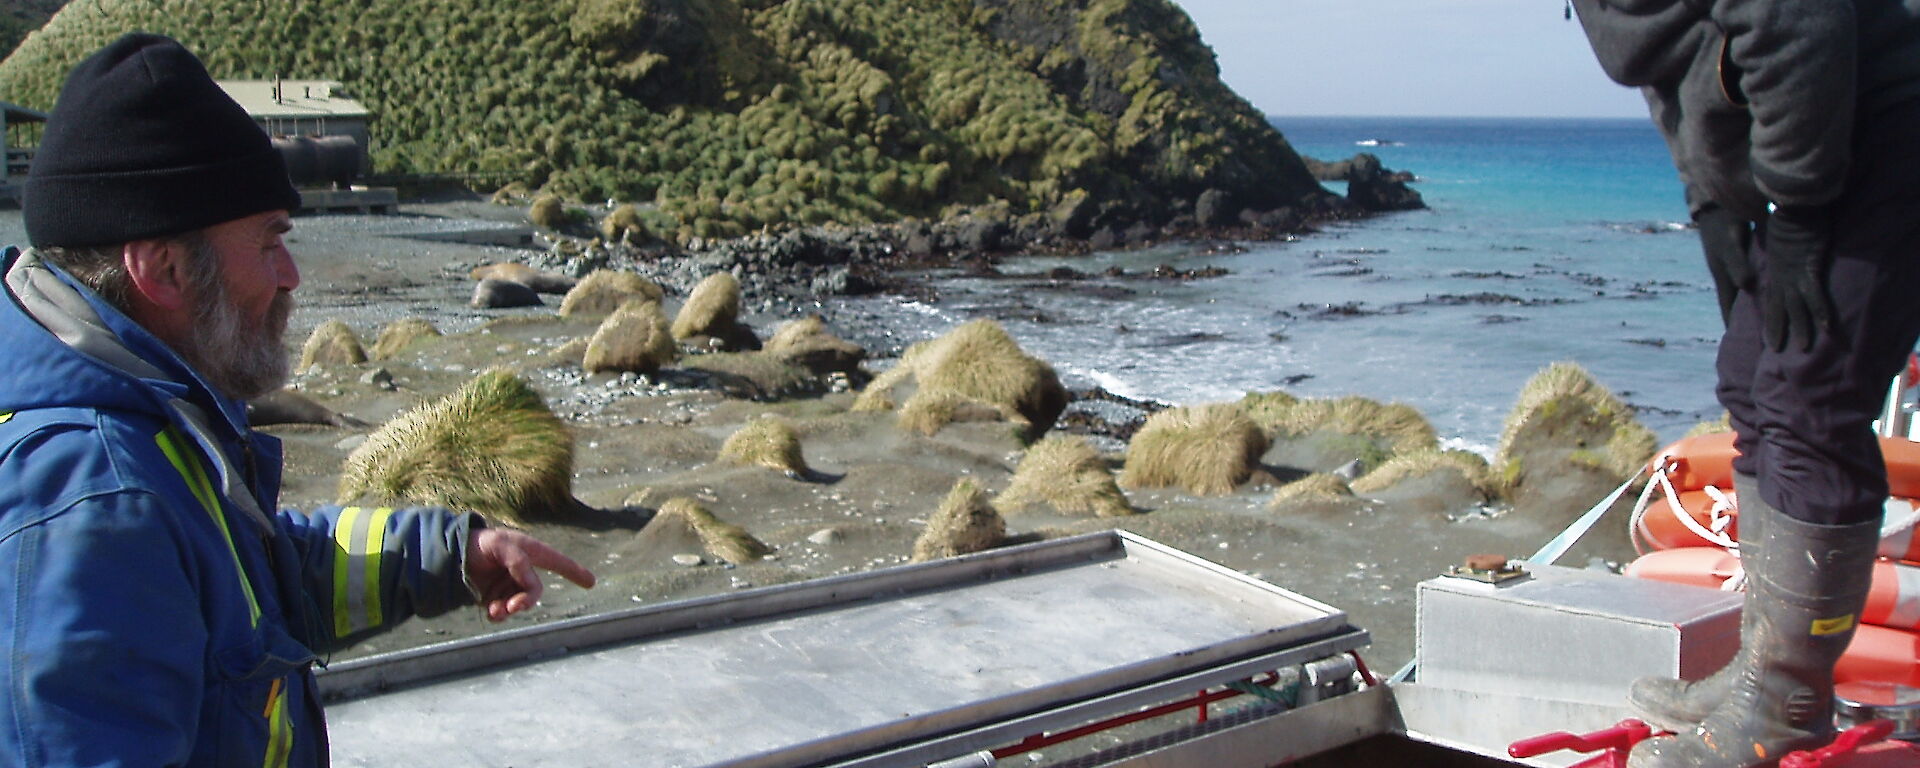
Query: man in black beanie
[157, 611]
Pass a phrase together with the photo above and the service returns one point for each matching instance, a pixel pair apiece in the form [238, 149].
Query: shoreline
[639, 442]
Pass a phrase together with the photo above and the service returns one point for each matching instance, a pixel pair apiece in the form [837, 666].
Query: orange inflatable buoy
[1882, 654]
[1703, 460]
[1893, 600]
[1903, 466]
[1700, 566]
[1897, 538]
[1699, 461]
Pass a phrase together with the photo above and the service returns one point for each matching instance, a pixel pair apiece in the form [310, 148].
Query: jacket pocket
[1716, 130]
[258, 697]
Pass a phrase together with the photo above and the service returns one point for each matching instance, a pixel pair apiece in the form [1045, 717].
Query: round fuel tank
[320, 160]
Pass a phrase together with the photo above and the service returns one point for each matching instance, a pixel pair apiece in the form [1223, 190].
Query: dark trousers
[1803, 418]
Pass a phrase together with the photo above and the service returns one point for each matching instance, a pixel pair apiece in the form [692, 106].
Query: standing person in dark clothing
[1795, 126]
[155, 609]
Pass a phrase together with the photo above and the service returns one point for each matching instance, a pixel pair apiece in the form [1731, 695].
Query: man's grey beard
[241, 358]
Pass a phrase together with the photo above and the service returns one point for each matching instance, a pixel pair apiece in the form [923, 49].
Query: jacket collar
[108, 352]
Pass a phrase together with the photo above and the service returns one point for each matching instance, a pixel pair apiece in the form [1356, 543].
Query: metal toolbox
[1569, 635]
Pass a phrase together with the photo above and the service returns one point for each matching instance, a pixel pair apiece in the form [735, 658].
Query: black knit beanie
[143, 144]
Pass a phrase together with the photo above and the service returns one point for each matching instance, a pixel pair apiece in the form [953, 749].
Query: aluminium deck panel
[820, 671]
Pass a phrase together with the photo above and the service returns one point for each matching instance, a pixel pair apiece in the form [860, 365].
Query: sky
[1426, 58]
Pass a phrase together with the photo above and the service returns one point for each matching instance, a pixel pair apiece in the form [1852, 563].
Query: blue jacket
[151, 613]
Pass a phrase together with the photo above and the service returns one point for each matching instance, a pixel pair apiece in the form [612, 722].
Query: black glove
[1725, 238]
[1797, 306]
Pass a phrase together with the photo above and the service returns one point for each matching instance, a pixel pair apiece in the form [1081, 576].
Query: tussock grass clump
[1400, 427]
[1563, 413]
[492, 447]
[928, 412]
[766, 442]
[1722, 424]
[1545, 395]
[806, 342]
[712, 308]
[633, 338]
[979, 362]
[1206, 449]
[510, 194]
[1629, 448]
[880, 394]
[400, 334]
[1421, 463]
[603, 291]
[722, 539]
[333, 343]
[965, 523]
[1064, 472]
[547, 212]
[1268, 407]
[624, 224]
[574, 352]
[1318, 486]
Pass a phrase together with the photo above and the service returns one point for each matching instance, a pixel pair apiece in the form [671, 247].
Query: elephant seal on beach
[284, 406]
[540, 282]
[499, 294]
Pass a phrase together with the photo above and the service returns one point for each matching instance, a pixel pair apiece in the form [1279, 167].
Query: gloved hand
[1796, 304]
[1726, 238]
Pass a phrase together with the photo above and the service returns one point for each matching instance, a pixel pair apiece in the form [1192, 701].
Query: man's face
[241, 308]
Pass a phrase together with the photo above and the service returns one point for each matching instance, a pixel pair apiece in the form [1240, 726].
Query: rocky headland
[696, 174]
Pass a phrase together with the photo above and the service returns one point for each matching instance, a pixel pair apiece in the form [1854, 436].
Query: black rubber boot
[1679, 705]
[1805, 596]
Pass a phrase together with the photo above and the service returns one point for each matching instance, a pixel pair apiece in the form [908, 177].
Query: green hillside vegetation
[18, 17]
[731, 115]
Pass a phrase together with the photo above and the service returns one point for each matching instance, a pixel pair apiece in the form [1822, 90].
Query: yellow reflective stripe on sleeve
[376, 544]
[360, 538]
[6, 417]
[279, 728]
[342, 536]
[190, 471]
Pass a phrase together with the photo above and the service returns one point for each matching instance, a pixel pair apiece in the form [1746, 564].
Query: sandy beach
[640, 441]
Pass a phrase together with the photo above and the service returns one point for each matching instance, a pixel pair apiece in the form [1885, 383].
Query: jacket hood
[1643, 42]
[68, 348]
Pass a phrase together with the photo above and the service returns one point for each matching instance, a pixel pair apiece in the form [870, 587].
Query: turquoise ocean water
[1546, 240]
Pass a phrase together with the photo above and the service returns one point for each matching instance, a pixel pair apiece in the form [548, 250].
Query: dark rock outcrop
[1374, 188]
[1370, 186]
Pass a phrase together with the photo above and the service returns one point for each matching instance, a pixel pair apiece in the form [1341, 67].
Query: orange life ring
[1903, 466]
[1699, 461]
[1893, 600]
[1701, 566]
[1878, 653]
[1661, 530]
[1881, 654]
[1898, 541]
[1704, 460]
